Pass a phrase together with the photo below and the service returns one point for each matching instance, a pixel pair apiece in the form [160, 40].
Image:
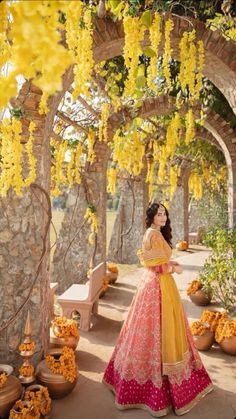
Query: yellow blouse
[155, 250]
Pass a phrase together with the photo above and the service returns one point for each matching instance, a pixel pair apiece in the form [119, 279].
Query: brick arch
[220, 53]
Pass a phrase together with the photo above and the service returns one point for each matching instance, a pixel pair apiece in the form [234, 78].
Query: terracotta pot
[10, 392]
[200, 298]
[56, 342]
[57, 385]
[45, 405]
[111, 277]
[204, 342]
[31, 412]
[229, 345]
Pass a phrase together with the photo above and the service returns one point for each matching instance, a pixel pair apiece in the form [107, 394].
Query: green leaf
[146, 18]
[149, 52]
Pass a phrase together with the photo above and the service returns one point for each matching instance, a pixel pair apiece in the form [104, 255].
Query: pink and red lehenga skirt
[155, 365]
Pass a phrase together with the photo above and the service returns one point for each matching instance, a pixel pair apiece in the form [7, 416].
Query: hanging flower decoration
[169, 26]
[155, 38]
[90, 216]
[111, 177]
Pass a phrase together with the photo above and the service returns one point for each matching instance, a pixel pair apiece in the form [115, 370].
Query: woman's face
[160, 217]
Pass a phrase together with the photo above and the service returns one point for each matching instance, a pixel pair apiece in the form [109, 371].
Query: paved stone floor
[92, 400]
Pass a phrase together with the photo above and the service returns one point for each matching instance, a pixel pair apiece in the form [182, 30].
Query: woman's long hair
[166, 230]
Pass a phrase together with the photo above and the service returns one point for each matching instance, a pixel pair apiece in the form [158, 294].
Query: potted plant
[198, 294]
[112, 272]
[182, 245]
[219, 271]
[105, 286]
[64, 332]
[225, 335]
[202, 335]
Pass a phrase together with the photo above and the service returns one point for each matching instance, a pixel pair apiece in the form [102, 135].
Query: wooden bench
[84, 298]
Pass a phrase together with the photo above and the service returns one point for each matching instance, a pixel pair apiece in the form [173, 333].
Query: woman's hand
[177, 268]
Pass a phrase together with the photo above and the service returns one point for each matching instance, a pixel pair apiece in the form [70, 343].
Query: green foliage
[17, 112]
[219, 271]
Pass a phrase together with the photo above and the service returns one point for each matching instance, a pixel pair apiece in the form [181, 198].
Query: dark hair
[150, 214]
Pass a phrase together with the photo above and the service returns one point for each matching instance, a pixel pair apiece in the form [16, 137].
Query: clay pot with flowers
[198, 295]
[105, 286]
[182, 245]
[112, 273]
[38, 396]
[202, 335]
[225, 335]
[58, 372]
[10, 390]
[64, 332]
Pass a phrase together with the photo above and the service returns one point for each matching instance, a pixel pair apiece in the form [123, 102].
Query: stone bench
[84, 298]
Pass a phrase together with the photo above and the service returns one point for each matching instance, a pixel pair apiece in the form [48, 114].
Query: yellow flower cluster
[195, 185]
[169, 26]
[11, 153]
[27, 347]
[225, 329]
[33, 51]
[134, 33]
[190, 126]
[64, 365]
[26, 370]
[213, 318]
[64, 328]
[58, 176]
[90, 142]
[199, 328]
[103, 122]
[194, 286]
[3, 378]
[155, 38]
[92, 220]
[173, 135]
[80, 42]
[25, 410]
[111, 180]
[40, 399]
[191, 66]
[112, 267]
[32, 161]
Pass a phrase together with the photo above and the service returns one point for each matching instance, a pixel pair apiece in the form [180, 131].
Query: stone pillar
[24, 238]
[74, 255]
[130, 222]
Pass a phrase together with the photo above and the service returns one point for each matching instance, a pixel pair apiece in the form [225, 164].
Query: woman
[155, 365]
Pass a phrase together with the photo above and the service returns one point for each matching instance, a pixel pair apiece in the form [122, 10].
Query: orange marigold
[194, 286]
